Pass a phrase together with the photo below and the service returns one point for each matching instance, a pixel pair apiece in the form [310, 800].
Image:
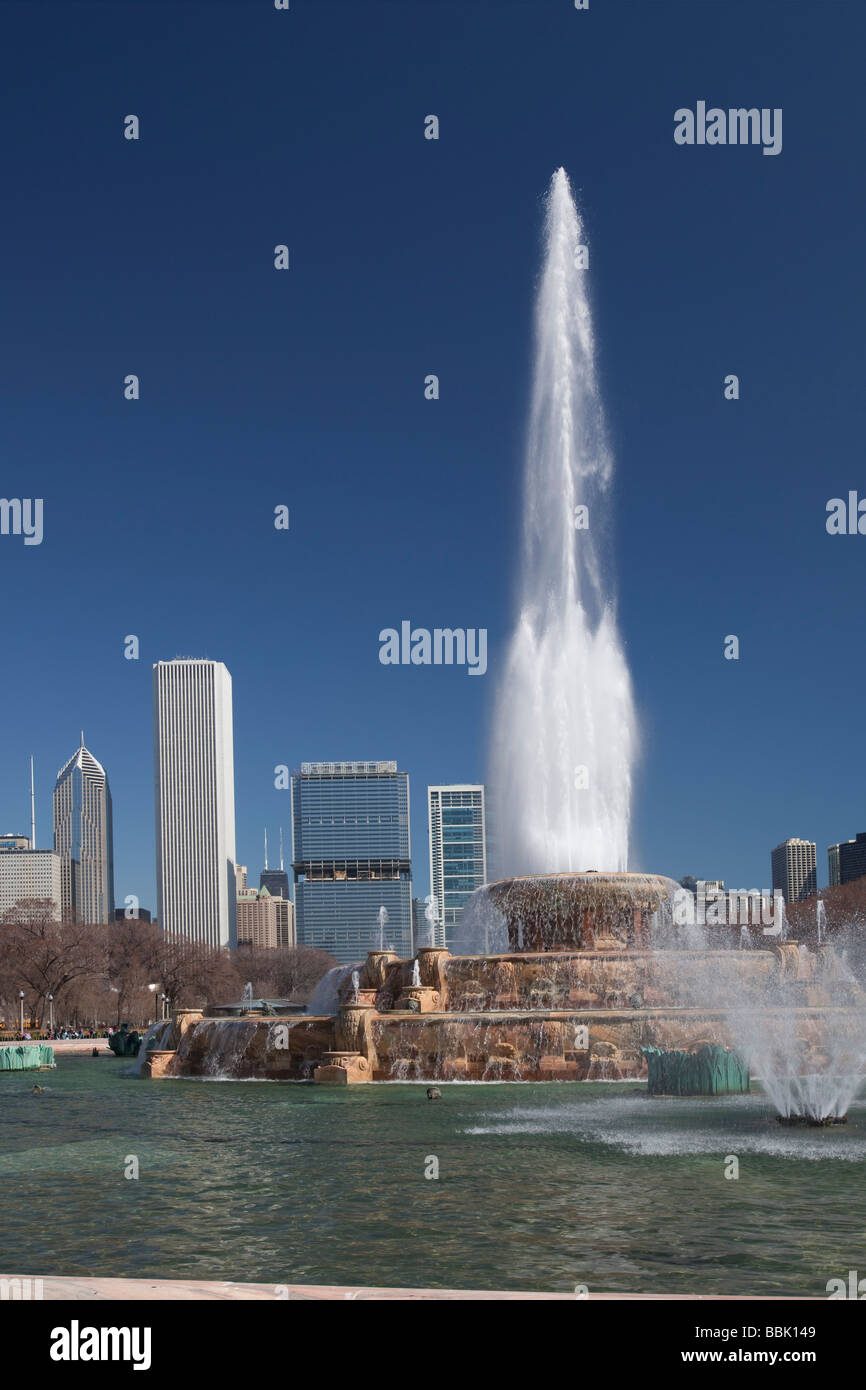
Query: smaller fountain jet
[383, 920]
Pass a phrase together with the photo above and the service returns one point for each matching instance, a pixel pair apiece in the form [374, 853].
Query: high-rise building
[30, 873]
[195, 801]
[83, 837]
[458, 851]
[275, 880]
[833, 865]
[14, 842]
[284, 909]
[264, 922]
[793, 867]
[257, 923]
[425, 924]
[351, 858]
[852, 859]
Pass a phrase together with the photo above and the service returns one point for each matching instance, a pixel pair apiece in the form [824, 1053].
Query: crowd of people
[62, 1034]
[58, 1035]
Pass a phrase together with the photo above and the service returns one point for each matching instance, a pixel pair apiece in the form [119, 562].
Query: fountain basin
[593, 911]
[596, 977]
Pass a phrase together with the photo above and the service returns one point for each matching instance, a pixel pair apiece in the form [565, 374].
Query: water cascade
[325, 997]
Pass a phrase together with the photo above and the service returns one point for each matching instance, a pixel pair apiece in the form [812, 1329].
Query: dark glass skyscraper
[276, 881]
[852, 859]
[351, 857]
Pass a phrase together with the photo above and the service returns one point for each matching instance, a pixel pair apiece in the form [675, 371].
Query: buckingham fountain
[596, 982]
[572, 969]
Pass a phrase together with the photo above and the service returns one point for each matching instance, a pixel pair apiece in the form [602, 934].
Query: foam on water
[652, 1128]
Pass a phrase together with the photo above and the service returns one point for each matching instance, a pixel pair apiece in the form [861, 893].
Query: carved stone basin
[592, 911]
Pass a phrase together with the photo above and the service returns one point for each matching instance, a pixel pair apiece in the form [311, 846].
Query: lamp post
[163, 998]
[21, 1012]
[51, 1013]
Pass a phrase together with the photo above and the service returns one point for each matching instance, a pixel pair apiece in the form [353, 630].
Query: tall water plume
[564, 731]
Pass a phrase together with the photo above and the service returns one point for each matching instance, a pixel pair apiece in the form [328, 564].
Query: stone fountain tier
[593, 976]
[595, 911]
[566, 1015]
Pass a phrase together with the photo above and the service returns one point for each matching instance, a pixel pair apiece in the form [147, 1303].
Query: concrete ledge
[149, 1290]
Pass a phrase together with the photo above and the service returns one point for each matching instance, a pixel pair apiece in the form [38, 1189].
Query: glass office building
[351, 858]
[458, 851]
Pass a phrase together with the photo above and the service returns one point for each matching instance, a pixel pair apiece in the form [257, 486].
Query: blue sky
[305, 388]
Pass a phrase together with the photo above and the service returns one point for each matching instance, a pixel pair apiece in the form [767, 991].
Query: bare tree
[43, 956]
[99, 973]
[288, 973]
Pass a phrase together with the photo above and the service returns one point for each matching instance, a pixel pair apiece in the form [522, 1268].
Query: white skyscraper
[793, 865]
[195, 801]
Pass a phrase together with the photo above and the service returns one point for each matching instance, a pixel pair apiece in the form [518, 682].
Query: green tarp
[711, 1071]
[26, 1056]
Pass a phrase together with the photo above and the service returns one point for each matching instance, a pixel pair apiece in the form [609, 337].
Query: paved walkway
[67, 1047]
[84, 1290]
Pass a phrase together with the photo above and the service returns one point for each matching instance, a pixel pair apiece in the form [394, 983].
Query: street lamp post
[21, 1012]
[51, 1013]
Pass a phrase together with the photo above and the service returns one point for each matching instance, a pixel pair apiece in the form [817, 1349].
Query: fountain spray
[564, 727]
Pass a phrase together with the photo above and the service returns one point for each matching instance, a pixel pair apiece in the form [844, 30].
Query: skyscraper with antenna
[275, 880]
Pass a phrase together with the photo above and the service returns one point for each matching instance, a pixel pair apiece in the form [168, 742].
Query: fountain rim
[592, 874]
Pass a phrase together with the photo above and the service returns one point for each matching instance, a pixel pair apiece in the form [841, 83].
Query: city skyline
[320, 406]
[432, 482]
[422, 862]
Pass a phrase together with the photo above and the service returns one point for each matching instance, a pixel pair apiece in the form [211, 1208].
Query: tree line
[102, 975]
